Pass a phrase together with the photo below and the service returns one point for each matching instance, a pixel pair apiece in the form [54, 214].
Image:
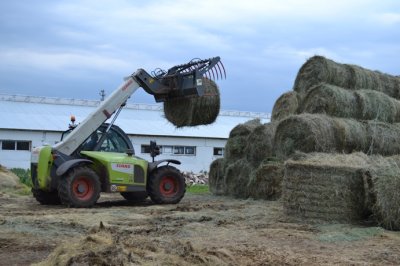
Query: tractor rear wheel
[166, 185]
[80, 188]
[135, 196]
[45, 197]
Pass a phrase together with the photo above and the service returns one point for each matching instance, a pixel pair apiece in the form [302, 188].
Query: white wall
[21, 159]
[199, 162]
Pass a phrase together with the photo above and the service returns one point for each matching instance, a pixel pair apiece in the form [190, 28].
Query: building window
[219, 151]
[145, 149]
[12, 145]
[190, 150]
[179, 150]
[169, 149]
[23, 146]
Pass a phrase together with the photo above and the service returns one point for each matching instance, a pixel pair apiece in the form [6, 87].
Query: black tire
[45, 197]
[80, 188]
[134, 196]
[166, 185]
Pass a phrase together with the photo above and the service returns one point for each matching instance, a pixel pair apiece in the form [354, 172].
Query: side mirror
[154, 149]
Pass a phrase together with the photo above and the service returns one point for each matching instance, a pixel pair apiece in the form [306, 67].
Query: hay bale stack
[237, 141]
[216, 177]
[266, 181]
[260, 145]
[287, 104]
[361, 104]
[320, 133]
[323, 189]
[319, 69]
[194, 111]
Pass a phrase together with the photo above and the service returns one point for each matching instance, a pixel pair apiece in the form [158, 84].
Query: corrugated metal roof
[53, 114]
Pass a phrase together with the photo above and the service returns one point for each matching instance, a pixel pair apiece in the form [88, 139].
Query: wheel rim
[168, 186]
[83, 188]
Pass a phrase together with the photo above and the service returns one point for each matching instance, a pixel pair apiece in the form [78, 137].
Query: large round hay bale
[382, 184]
[266, 181]
[287, 104]
[375, 105]
[383, 138]
[260, 143]
[236, 178]
[216, 177]
[361, 104]
[306, 133]
[194, 111]
[331, 100]
[321, 133]
[319, 69]
[237, 141]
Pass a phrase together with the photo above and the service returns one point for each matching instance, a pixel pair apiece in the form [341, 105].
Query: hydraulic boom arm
[97, 117]
[179, 81]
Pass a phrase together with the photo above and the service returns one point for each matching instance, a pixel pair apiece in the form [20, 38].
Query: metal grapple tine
[212, 72]
[222, 65]
[219, 70]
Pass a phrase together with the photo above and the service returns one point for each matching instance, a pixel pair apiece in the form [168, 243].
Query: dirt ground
[201, 230]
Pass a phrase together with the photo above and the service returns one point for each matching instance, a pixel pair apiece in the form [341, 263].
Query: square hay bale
[323, 192]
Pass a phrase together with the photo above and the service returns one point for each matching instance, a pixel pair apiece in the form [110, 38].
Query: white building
[27, 122]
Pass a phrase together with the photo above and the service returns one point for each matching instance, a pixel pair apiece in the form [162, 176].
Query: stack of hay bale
[334, 109]
[249, 168]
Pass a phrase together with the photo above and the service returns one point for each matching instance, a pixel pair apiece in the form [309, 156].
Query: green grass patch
[24, 175]
[198, 189]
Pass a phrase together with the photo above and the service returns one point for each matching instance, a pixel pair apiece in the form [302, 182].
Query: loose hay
[319, 69]
[320, 133]
[287, 104]
[361, 104]
[194, 111]
[216, 177]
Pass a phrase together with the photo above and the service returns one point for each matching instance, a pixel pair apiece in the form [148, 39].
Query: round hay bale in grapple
[287, 104]
[194, 111]
[319, 69]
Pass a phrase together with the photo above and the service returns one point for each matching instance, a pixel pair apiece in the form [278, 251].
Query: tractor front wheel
[80, 188]
[166, 185]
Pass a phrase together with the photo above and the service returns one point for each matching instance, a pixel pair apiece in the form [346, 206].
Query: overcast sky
[75, 48]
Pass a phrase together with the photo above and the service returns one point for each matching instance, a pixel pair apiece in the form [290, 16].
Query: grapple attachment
[184, 80]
